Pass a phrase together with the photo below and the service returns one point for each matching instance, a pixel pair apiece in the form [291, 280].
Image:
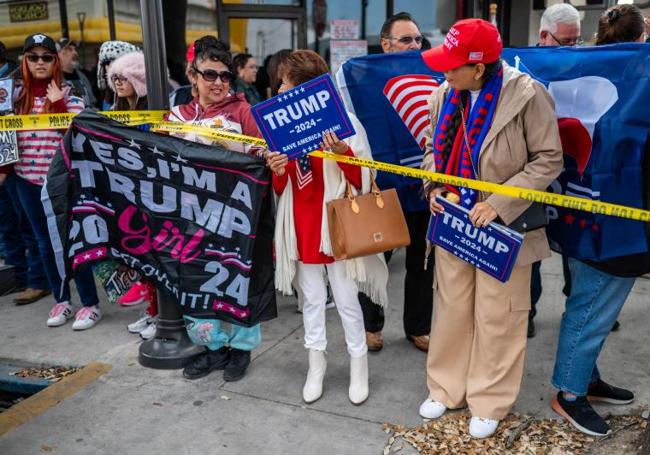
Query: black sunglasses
[47, 58]
[408, 39]
[212, 75]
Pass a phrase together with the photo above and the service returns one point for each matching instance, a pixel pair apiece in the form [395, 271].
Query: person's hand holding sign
[277, 162]
[331, 143]
[482, 214]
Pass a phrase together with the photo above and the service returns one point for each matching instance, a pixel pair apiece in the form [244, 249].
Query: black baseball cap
[39, 39]
[63, 42]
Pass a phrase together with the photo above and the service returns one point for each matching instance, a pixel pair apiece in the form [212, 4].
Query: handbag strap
[379, 200]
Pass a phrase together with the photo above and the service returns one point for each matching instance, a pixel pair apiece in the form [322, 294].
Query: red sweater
[308, 206]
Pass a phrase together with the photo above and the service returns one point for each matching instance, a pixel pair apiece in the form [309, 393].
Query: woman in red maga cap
[489, 122]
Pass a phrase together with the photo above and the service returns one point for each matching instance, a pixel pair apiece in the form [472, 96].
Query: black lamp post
[171, 348]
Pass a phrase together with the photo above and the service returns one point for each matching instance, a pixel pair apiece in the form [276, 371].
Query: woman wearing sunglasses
[127, 80]
[43, 91]
[216, 106]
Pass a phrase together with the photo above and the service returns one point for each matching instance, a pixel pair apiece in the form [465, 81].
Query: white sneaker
[86, 318]
[138, 326]
[59, 314]
[149, 332]
[482, 428]
[432, 409]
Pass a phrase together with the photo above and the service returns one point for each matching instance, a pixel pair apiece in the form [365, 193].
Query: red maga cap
[468, 41]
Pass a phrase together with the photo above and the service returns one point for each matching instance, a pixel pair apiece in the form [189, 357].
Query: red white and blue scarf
[478, 121]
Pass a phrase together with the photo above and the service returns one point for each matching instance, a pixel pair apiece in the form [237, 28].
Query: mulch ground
[519, 434]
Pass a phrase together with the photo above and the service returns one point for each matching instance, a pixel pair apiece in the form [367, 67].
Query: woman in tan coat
[493, 123]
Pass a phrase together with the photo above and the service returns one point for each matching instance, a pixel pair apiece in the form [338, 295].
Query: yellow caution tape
[212, 133]
[571, 202]
[62, 121]
[559, 200]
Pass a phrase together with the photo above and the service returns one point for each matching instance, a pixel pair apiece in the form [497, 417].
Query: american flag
[303, 171]
[409, 96]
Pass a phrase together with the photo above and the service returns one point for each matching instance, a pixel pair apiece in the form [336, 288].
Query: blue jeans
[211, 334]
[30, 200]
[20, 246]
[591, 310]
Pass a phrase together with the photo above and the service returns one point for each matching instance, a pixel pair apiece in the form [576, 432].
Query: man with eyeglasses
[401, 33]
[560, 26]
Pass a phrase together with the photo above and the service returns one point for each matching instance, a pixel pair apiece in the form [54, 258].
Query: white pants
[311, 281]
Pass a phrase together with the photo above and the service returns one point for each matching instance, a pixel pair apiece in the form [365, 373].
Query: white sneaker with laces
[138, 326]
[86, 318]
[482, 428]
[59, 314]
[431, 409]
[149, 332]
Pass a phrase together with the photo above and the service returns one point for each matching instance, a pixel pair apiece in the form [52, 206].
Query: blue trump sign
[492, 249]
[293, 122]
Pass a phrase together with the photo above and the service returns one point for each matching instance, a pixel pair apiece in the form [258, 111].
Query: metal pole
[63, 13]
[364, 5]
[111, 19]
[171, 348]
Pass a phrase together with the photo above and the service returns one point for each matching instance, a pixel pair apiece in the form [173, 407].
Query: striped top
[36, 148]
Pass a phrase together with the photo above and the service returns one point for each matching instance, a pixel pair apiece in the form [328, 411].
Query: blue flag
[602, 97]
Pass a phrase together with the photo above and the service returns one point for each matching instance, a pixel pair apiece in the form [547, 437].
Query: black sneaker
[531, 328]
[236, 368]
[616, 326]
[581, 415]
[206, 362]
[605, 393]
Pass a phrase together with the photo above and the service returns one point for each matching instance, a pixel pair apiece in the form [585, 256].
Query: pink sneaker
[136, 295]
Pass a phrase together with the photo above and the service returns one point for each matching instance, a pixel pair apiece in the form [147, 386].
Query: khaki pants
[478, 337]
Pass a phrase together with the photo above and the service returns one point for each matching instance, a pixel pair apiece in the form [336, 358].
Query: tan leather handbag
[368, 224]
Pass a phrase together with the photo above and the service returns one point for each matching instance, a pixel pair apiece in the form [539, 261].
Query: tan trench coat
[521, 149]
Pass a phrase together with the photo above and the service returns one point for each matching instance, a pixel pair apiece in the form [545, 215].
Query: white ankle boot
[313, 388]
[358, 392]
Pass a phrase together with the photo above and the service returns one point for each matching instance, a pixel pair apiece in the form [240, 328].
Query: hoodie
[232, 114]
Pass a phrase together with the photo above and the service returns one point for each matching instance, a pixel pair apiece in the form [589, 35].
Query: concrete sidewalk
[135, 410]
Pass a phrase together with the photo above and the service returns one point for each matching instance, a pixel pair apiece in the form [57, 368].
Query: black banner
[197, 220]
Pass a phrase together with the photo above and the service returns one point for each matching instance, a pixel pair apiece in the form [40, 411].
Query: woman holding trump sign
[489, 122]
[303, 248]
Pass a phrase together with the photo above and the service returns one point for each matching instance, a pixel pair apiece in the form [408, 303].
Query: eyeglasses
[212, 75]
[47, 58]
[115, 78]
[568, 41]
[408, 39]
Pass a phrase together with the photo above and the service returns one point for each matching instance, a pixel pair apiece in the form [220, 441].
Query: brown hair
[302, 66]
[620, 24]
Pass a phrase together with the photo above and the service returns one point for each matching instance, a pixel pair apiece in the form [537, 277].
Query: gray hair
[559, 13]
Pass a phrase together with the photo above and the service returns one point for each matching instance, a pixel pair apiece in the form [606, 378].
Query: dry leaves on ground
[53, 374]
[517, 434]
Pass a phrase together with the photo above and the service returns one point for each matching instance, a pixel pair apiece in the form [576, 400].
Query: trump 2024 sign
[293, 122]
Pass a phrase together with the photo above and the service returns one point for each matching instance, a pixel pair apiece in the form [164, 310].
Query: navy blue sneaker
[581, 415]
[605, 393]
